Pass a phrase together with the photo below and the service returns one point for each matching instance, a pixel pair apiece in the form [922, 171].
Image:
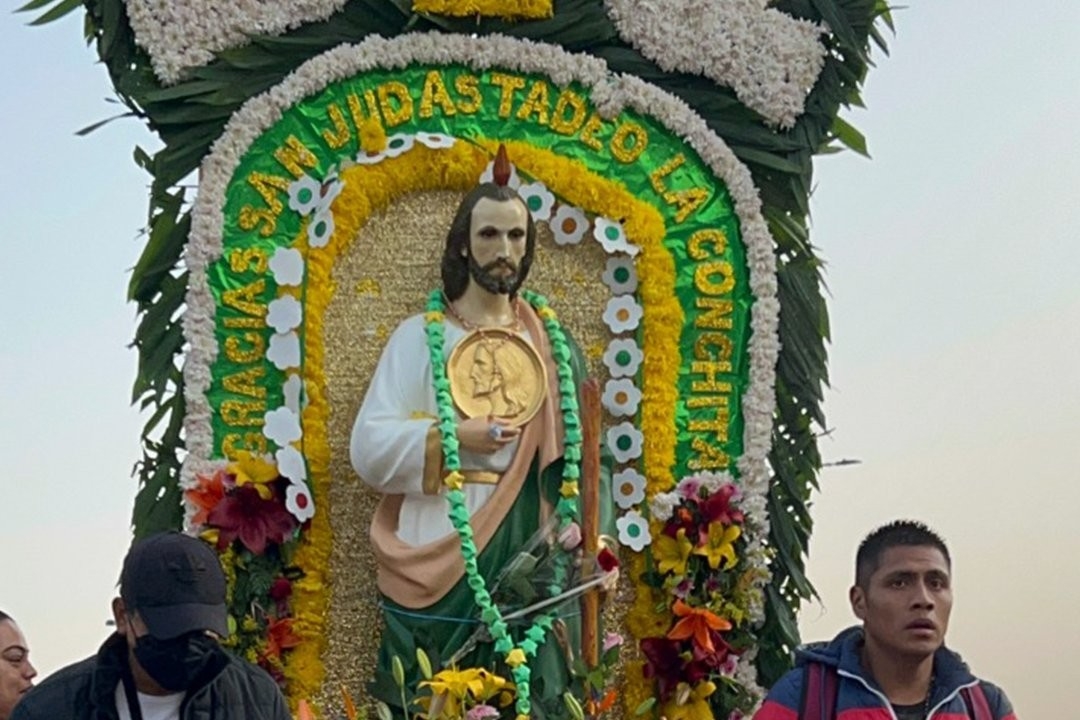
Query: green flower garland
[566, 508]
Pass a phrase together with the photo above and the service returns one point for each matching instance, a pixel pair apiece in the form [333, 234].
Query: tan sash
[417, 576]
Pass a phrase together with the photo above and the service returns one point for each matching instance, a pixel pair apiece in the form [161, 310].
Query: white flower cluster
[181, 34]
[611, 94]
[771, 60]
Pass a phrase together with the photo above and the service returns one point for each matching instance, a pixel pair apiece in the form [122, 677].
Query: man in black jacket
[164, 661]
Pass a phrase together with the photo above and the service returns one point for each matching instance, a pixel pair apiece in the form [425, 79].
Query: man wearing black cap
[164, 661]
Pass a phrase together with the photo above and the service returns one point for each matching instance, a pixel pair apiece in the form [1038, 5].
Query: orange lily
[280, 636]
[206, 495]
[303, 711]
[696, 623]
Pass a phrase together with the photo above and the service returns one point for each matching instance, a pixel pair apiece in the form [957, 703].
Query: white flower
[611, 235]
[623, 357]
[365, 158]
[633, 531]
[282, 426]
[397, 144]
[298, 501]
[284, 350]
[621, 397]
[320, 229]
[620, 275]
[291, 463]
[628, 488]
[291, 389]
[436, 141]
[624, 441]
[284, 313]
[304, 195]
[287, 265]
[568, 225]
[622, 314]
[662, 506]
[489, 175]
[538, 199]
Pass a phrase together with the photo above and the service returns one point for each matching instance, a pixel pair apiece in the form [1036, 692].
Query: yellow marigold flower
[515, 657]
[372, 136]
[720, 544]
[454, 480]
[672, 553]
[569, 489]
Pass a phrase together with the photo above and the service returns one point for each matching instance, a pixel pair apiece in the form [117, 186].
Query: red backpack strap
[820, 687]
[977, 705]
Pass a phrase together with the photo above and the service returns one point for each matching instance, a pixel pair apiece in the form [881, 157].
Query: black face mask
[174, 664]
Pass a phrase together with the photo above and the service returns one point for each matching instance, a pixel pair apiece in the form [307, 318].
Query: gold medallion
[495, 371]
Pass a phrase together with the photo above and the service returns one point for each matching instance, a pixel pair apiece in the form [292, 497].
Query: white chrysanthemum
[623, 357]
[633, 531]
[568, 225]
[662, 506]
[620, 275]
[628, 488]
[624, 440]
[621, 397]
[538, 199]
[622, 314]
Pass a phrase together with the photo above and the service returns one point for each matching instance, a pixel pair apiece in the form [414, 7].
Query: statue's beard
[496, 284]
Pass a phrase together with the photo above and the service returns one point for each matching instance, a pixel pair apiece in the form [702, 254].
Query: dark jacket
[227, 689]
[860, 697]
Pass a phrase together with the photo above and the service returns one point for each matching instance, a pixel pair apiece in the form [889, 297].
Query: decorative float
[663, 151]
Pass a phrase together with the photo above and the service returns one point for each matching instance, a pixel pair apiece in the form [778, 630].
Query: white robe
[387, 447]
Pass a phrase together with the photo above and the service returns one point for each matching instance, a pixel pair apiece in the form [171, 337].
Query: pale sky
[955, 325]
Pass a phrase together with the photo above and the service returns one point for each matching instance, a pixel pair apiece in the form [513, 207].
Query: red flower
[206, 495]
[257, 522]
[663, 662]
[717, 507]
[280, 592]
[607, 560]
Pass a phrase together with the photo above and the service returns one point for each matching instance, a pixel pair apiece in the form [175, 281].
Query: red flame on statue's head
[501, 172]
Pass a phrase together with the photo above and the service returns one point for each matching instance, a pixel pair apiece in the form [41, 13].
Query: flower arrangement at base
[243, 509]
[702, 571]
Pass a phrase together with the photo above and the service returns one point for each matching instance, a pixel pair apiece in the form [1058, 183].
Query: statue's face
[484, 374]
[497, 240]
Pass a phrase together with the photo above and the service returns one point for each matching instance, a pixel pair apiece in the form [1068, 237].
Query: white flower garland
[611, 94]
[182, 34]
[771, 60]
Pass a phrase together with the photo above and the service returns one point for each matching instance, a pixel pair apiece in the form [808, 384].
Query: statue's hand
[476, 435]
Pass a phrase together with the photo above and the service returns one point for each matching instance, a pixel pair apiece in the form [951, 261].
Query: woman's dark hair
[455, 262]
